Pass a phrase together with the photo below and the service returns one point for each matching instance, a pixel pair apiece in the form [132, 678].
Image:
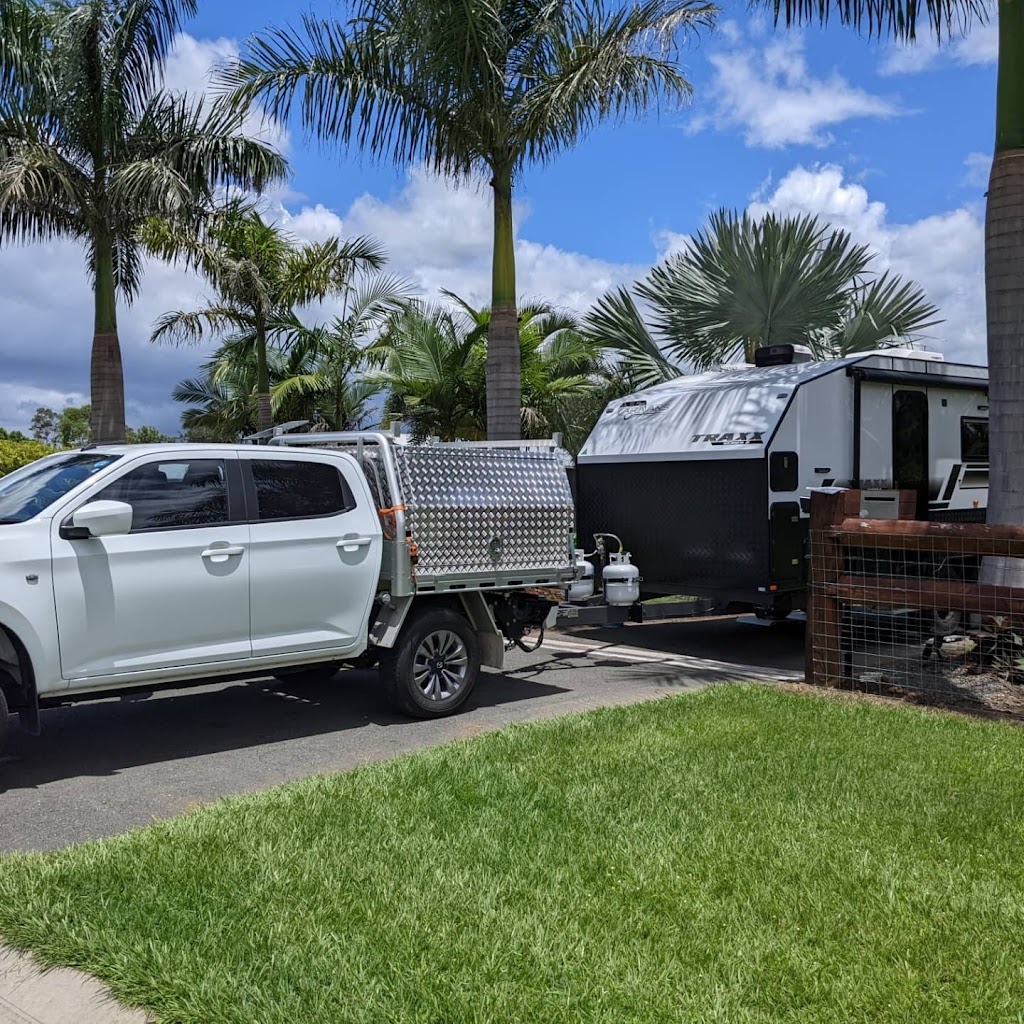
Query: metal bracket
[388, 625]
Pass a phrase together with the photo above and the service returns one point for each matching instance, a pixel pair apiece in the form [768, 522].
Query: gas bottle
[621, 580]
[583, 588]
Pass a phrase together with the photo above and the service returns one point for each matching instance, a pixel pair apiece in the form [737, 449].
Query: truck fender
[492, 643]
[390, 617]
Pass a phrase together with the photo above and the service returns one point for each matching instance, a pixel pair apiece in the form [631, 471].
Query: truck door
[316, 548]
[910, 444]
[174, 591]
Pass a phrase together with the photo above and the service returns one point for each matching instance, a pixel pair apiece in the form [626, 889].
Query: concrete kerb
[30, 994]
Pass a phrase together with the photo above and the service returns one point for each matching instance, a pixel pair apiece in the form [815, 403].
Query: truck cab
[134, 567]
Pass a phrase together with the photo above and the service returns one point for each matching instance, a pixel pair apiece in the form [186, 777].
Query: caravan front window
[973, 439]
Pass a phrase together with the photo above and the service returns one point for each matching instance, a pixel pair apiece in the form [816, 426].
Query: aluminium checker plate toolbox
[483, 516]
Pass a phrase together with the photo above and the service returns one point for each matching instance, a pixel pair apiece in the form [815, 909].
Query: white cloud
[943, 253]
[439, 236]
[771, 95]
[979, 46]
[978, 167]
[19, 402]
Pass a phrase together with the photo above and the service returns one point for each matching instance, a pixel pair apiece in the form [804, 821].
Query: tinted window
[783, 471]
[299, 490]
[173, 494]
[974, 440]
[26, 492]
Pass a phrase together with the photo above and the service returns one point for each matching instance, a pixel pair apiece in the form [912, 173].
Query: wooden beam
[952, 538]
[942, 595]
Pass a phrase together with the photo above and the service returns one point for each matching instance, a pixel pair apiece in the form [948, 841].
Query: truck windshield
[26, 492]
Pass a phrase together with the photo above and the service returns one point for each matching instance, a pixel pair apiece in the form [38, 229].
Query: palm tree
[434, 366]
[742, 283]
[90, 147]
[222, 399]
[336, 353]
[259, 275]
[1004, 239]
[478, 89]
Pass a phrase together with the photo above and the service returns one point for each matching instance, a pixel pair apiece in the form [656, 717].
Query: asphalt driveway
[105, 767]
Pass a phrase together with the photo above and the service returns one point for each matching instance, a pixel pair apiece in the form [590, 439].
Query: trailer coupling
[519, 613]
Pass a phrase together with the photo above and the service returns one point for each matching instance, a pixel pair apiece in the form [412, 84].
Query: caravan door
[910, 444]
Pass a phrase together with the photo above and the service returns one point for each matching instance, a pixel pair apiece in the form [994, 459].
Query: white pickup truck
[140, 567]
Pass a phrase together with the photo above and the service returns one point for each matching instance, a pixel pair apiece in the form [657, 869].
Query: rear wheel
[433, 667]
[309, 674]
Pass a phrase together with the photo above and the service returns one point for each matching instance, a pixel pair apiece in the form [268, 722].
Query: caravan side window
[783, 471]
[973, 439]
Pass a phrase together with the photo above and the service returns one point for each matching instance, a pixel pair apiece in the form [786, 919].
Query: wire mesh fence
[916, 609]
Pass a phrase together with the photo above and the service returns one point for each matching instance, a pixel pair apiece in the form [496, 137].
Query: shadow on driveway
[780, 645]
[105, 737]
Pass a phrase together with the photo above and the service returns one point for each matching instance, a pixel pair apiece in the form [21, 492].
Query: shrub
[15, 454]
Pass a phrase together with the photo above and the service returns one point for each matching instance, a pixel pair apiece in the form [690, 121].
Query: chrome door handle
[353, 542]
[219, 554]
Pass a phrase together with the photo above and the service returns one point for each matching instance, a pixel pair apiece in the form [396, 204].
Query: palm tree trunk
[1004, 292]
[106, 375]
[504, 399]
[264, 413]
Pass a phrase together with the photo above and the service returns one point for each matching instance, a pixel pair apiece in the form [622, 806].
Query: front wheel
[433, 667]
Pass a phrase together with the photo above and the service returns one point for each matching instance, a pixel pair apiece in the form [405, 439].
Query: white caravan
[707, 478]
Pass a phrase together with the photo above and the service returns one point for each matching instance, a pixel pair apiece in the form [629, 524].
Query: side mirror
[103, 519]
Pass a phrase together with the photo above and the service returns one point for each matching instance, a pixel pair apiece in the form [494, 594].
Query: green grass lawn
[738, 855]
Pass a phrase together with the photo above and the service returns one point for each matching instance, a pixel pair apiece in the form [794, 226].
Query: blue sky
[891, 143]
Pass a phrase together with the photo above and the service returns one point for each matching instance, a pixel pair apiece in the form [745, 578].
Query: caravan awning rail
[939, 380]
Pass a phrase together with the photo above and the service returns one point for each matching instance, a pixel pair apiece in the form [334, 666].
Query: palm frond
[604, 65]
[205, 145]
[141, 34]
[319, 269]
[22, 34]
[897, 19]
[886, 310]
[190, 327]
[616, 323]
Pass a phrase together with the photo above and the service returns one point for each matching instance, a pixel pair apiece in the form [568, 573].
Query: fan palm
[259, 275]
[742, 283]
[474, 89]
[435, 368]
[90, 147]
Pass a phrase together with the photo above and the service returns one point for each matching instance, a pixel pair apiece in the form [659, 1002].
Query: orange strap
[387, 519]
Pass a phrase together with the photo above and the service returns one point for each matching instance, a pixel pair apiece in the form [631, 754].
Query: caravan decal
[747, 437]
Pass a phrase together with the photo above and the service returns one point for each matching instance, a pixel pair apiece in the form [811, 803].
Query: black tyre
[434, 666]
[5, 720]
[309, 674]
